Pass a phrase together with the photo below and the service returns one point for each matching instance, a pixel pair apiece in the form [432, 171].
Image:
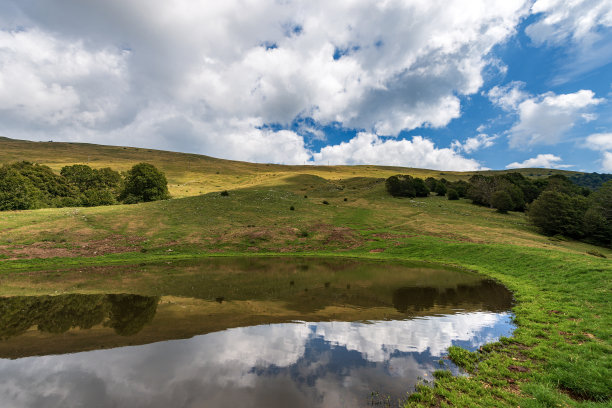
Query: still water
[239, 332]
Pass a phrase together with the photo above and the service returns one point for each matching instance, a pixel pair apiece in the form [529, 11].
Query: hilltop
[192, 174]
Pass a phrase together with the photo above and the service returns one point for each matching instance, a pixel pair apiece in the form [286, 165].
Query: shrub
[224, 193]
[325, 202]
[292, 208]
[144, 182]
[452, 194]
[502, 201]
[420, 188]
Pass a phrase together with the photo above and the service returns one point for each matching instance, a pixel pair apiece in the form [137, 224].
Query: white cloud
[508, 97]
[545, 119]
[582, 27]
[368, 148]
[541, 160]
[472, 144]
[606, 163]
[104, 70]
[578, 20]
[599, 141]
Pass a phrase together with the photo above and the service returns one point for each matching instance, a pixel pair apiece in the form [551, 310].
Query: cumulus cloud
[586, 25]
[541, 160]
[599, 141]
[546, 118]
[602, 142]
[472, 144]
[103, 71]
[578, 21]
[368, 148]
[508, 97]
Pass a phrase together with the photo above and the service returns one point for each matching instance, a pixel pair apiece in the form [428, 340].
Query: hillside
[192, 174]
[558, 355]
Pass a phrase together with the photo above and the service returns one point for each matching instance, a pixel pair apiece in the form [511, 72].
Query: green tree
[144, 182]
[440, 188]
[420, 188]
[452, 194]
[502, 201]
[16, 191]
[558, 213]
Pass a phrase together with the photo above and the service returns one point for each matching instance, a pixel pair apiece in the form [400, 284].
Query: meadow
[561, 351]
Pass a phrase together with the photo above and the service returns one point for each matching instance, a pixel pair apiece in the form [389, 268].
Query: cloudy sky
[453, 85]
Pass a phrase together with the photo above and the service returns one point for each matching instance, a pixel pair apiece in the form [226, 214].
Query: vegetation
[144, 183]
[26, 186]
[406, 186]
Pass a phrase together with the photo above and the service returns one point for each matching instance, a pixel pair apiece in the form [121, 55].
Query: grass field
[560, 355]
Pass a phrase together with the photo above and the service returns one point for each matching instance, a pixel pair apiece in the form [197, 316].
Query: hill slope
[192, 174]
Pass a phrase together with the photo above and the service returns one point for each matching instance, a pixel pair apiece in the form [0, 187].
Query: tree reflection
[127, 314]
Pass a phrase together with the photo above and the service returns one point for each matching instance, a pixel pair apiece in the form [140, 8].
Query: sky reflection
[302, 364]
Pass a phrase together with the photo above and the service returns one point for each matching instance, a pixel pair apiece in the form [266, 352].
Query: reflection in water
[327, 364]
[127, 314]
[227, 333]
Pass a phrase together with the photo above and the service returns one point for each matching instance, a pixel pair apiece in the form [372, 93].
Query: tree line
[25, 186]
[555, 204]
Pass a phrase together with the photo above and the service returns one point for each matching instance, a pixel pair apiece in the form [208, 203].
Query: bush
[420, 188]
[224, 193]
[502, 201]
[16, 191]
[144, 183]
[325, 202]
[452, 194]
[406, 186]
[292, 208]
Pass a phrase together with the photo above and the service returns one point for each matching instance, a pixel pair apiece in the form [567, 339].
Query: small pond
[238, 332]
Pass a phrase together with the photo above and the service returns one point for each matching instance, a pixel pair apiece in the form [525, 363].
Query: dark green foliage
[501, 201]
[555, 212]
[461, 187]
[440, 188]
[224, 193]
[292, 208]
[85, 178]
[481, 189]
[420, 188]
[129, 313]
[592, 181]
[406, 186]
[143, 183]
[16, 191]
[431, 183]
[325, 202]
[25, 186]
[452, 194]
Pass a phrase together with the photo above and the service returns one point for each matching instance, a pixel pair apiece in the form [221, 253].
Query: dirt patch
[110, 245]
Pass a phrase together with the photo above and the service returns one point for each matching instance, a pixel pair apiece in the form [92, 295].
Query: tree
[144, 182]
[420, 188]
[452, 194]
[502, 201]
[16, 191]
[440, 188]
[558, 213]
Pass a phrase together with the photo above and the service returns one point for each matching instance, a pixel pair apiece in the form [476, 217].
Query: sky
[439, 84]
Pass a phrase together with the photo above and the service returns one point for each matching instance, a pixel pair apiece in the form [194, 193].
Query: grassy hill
[193, 174]
[559, 354]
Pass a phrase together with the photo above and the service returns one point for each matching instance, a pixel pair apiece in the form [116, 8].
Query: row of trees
[555, 204]
[408, 186]
[25, 185]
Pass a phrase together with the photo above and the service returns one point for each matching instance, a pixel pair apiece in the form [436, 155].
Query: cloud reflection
[329, 364]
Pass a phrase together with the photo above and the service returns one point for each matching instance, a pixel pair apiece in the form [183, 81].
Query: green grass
[560, 354]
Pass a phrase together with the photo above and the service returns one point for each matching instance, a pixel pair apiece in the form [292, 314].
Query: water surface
[238, 332]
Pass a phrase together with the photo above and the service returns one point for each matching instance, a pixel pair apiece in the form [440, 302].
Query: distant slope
[193, 174]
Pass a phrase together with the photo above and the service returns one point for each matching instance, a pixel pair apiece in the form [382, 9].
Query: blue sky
[448, 85]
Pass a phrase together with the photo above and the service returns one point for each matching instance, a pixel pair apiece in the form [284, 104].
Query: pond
[248, 332]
